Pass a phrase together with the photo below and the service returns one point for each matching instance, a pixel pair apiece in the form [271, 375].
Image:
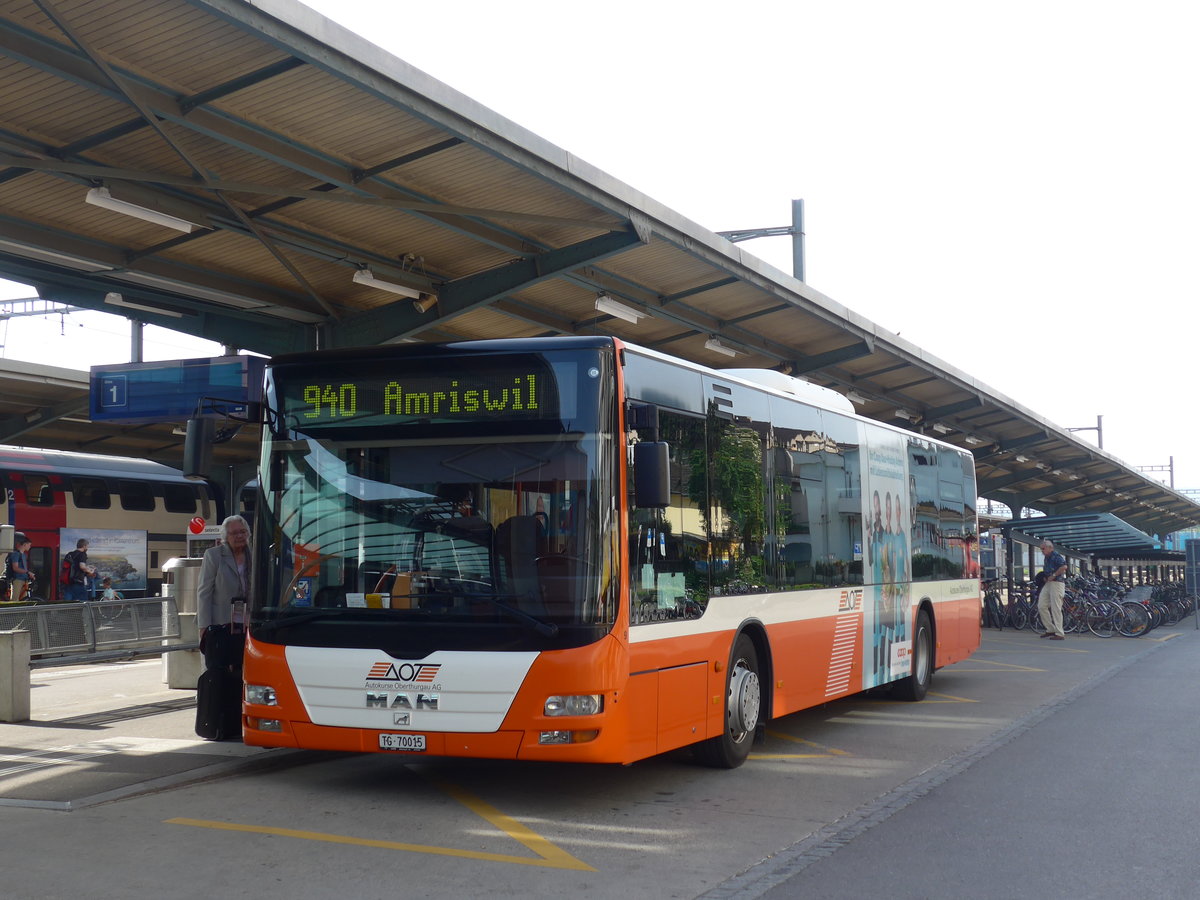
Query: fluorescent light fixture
[75, 262]
[1022, 458]
[971, 439]
[102, 197]
[607, 304]
[364, 276]
[193, 291]
[855, 397]
[942, 429]
[114, 299]
[904, 414]
[717, 347]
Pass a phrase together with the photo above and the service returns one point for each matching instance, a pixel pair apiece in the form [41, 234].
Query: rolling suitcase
[219, 705]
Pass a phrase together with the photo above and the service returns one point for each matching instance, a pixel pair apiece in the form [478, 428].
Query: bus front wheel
[743, 705]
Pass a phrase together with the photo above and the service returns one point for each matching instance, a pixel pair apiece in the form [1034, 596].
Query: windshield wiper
[542, 627]
[288, 618]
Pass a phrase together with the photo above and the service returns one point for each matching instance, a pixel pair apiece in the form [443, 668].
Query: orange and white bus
[49, 493]
[575, 549]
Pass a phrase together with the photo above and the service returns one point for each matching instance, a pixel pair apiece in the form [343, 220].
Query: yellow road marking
[762, 756]
[553, 856]
[949, 698]
[549, 856]
[828, 751]
[993, 665]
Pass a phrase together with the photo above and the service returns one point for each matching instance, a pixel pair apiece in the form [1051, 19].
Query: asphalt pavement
[1034, 770]
[1090, 795]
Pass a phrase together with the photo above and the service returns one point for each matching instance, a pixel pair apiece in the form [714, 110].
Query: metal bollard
[14, 676]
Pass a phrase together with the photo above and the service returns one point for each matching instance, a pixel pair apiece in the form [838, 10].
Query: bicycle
[994, 613]
[1102, 617]
[109, 610]
[1074, 612]
[1134, 620]
[15, 614]
[1021, 611]
[29, 597]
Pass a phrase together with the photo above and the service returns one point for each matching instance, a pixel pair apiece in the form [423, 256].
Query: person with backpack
[76, 572]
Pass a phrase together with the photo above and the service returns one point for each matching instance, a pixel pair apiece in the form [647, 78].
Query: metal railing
[96, 628]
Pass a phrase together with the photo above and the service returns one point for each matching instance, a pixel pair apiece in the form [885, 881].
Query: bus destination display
[388, 399]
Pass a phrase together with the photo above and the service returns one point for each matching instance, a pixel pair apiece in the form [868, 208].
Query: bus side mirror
[652, 475]
[197, 448]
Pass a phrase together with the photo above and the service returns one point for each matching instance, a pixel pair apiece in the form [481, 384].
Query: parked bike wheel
[1102, 619]
[1035, 621]
[1074, 617]
[1134, 620]
[993, 614]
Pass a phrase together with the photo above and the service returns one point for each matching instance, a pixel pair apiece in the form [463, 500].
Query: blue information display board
[175, 390]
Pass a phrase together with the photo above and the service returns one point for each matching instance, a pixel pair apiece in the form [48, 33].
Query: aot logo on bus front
[412, 673]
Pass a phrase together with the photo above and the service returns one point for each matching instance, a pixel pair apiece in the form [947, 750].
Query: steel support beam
[1024, 441]
[802, 364]
[951, 409]
[13, 427]
[464, 294]
[986, 486]
[250, 332]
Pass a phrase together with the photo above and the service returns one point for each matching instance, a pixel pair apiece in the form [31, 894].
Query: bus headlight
[260, 695]
[574, 705]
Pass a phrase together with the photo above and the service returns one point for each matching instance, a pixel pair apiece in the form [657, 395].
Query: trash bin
[181, 581]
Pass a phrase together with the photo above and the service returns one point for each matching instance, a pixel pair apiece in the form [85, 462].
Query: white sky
[1012, 187]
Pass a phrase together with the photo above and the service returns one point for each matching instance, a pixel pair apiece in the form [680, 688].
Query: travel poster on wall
[117, 553]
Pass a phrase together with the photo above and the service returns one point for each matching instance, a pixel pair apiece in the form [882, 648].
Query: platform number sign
[114, 392]
[176, 389]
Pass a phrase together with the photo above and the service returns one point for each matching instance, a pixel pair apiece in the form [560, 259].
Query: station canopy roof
[308, 176]
[1096, 534]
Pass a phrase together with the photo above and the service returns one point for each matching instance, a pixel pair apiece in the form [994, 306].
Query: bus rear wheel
[916, 685]
[743, 705]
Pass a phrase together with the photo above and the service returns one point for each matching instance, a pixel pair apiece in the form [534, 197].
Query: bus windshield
[413, 502]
